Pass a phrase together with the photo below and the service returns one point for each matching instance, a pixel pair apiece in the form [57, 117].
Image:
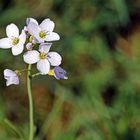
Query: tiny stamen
[42, 55]
[42, 34]
[15, 41]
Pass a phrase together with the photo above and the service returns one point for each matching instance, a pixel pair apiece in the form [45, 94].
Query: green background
[100, 46]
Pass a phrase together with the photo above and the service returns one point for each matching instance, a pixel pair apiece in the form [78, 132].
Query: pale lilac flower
[43, 58]
[58, 73]
[13, 39]
[43, 32]
[11, 77]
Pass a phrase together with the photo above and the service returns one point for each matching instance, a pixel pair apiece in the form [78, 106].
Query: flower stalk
[31, 114]
[36, 39]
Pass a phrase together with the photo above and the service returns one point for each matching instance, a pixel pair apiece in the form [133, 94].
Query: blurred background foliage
[100, 45]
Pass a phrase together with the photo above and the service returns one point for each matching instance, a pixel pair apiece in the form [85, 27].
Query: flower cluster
[37, 40]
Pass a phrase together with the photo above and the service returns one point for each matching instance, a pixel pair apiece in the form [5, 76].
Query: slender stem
[13, 127]
[31, 117]
[36, 74]
[23, 70]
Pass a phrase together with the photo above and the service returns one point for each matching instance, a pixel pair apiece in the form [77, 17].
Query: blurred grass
[100, 48]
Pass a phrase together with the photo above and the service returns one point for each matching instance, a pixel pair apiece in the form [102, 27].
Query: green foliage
[100, 45]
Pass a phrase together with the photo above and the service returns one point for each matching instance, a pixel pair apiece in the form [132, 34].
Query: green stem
[36, 74]
[13, 127]
[31, 117]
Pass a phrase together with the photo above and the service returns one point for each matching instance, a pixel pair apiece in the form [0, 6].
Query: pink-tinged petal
[5, 43]
[11, 77]
[43, 66]
[45, 47]
[54, 58]
[29, 46]
[47, 25]
[22, 37]
[18, 49]
[12, 81]
[31, 57]
[28, 20]
[52, 36]
[34, 30]
[12, 30]
[25, 29]
[40, 40]
[9, 73]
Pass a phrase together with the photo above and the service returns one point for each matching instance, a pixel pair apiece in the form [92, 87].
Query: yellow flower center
[15, 41]
[42, 34]
[42, 55]
[51, 72]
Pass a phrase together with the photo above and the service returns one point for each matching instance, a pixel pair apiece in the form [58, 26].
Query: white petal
[18, 49]
[34, 29]
[52, 36]
[25, 29]
[12, 80]
[5, 43]
[45, 47]
[22, 37]
[12, 30]
[31, 57]
[47, 25]
[9, 73]
[54, 58]
[43, 66]
[28, 20]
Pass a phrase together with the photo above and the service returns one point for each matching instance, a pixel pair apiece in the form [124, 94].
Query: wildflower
[58, 73]
[13, 39]
[43, 58]
[43, 32]
[11, 77]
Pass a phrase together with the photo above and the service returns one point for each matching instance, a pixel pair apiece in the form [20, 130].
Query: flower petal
[11, 77]
[54, 58]
[45, 47]
[34, 29]
[47, 25]
[43, 66]
[18, 49]
[28, 20]
[5, 43]
[12, 30]
[52, 36]
[31, 57]
[9, 73]
[12, 80]
[22, 37]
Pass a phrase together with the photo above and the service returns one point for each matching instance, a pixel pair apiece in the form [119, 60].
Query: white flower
[42, 32]
[11, 77]
[43, 58]
[13, 39]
